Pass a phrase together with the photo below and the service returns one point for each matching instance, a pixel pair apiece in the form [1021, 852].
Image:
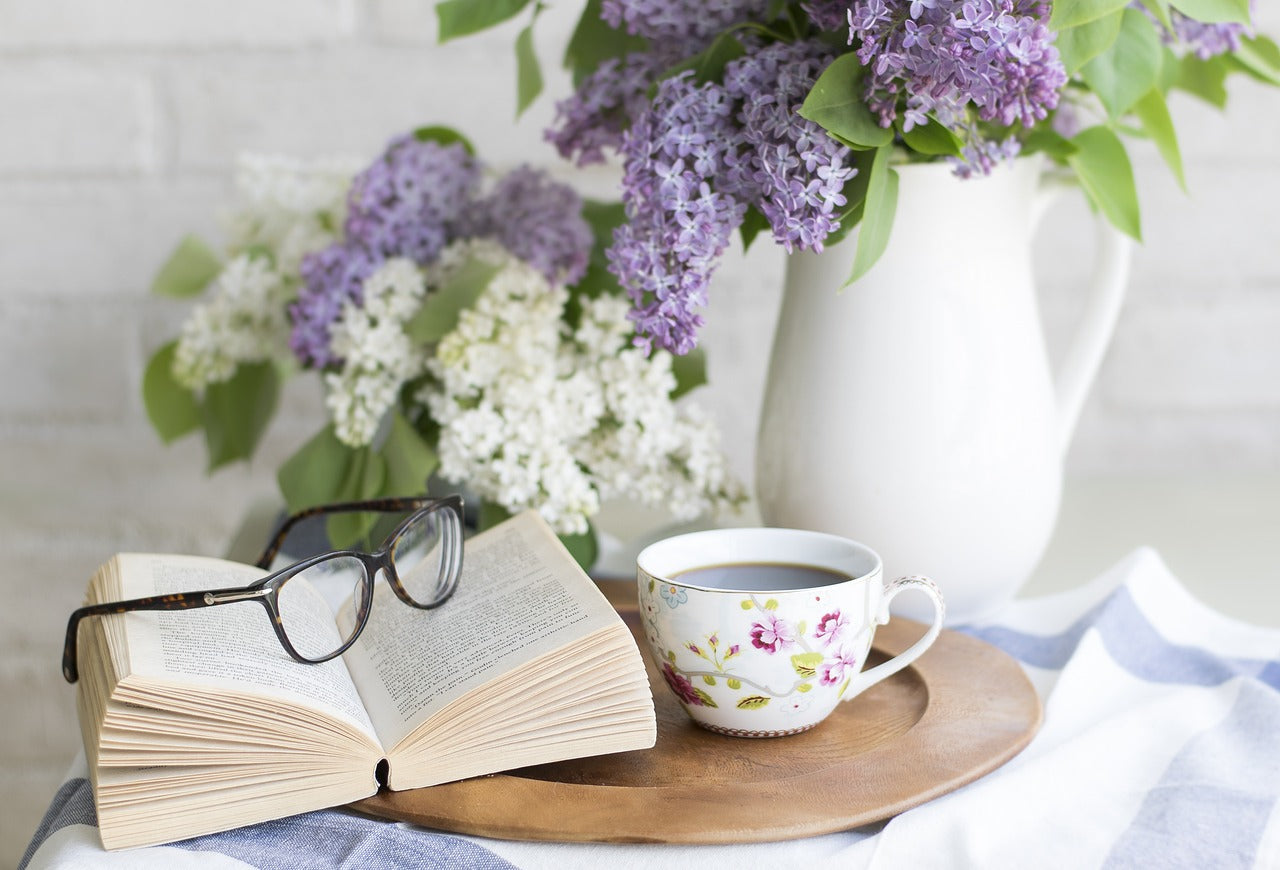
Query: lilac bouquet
[788, 116]
[461, 327]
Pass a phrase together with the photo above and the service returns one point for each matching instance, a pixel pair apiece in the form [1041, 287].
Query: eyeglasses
[421, 559]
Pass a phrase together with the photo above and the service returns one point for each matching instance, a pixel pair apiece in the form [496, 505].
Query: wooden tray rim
[998, 702]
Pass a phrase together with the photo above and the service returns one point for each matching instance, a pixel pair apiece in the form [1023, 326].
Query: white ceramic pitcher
[914, 410]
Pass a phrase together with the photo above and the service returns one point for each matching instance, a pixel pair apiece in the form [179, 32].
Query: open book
[198, 721]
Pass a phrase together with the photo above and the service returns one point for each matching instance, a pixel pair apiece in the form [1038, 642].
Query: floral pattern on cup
[829, 654]
[673, 595]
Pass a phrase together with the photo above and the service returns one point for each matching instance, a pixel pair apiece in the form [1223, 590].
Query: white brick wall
[120, 123]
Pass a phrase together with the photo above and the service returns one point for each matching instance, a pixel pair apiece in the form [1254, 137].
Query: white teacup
[762, 632]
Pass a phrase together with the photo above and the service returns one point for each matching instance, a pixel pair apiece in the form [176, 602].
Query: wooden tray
[962, 710]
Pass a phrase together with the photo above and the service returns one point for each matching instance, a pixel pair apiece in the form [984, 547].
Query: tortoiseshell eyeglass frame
[266, 591]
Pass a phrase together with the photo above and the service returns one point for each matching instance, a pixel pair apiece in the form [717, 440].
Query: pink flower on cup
[681, 685]
[839, 666]
[772, 634]
[832, 628]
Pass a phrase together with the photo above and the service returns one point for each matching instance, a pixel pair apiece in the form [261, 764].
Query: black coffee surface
[760, 577]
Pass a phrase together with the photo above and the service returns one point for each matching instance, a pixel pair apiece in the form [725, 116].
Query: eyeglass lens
[421, 555]
[309, 602]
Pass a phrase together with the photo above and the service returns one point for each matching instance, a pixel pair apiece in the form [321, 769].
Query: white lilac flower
[378, 357]
[287, 206]
[243, 321]
[531, 416]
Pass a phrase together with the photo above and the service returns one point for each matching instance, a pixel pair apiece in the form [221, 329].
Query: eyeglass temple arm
[176, 601]
[378, 504]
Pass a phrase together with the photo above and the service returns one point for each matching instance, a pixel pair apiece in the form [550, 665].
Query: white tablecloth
[1160, 748]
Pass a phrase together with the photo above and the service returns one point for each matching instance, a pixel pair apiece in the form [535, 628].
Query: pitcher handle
[1106, 289]
[869, 678]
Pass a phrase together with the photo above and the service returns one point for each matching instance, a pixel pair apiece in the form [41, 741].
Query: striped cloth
[1160, 748]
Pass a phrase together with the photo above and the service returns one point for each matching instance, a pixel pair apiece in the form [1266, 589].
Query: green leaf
[1160, 9]
[933, 139]
[603, 218]
[462, 17]
[172, 409]
[837, 103]
[1153, 112]
[438, 315]
[1103, 167]
[806, 664]
[189, 269]
[690, 370]
[855, 194]
[409, 458]
[877, 214]
[1214, 11]
[365, 477]
[528, 72]
[1205, 79]
[1081, 44]
[1122, 74]
[1260, 58]
[491, 514]
[747, 605]
[584, 547]
[708, 65]
[705, 698]
[315, 473]
[752, 702]
[444, 136]
[708, 679]
[594, 41]
[753, 222]
[1073, 13]
[671, 656]
[1044, 139]
[771, 604]
[734, 683]
[804, 687]
[843, 686]
[236, 412]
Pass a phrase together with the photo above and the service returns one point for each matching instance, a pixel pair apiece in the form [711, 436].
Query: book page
[231, 647]
[520, 595]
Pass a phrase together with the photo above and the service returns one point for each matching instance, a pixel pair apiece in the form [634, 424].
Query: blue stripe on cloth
[1134, 643]
[343, 841]
[1212, 805]
[72, 805]
[328, 839]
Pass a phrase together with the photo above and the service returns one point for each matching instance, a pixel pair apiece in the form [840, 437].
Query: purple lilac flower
[330, 277]
[1202, 39]
[666, 21]
[677, 226]
[954, 59]
[595, 115]
[790, 169]
[606, 102]
[827, 14]
[696, 158]
[402, 204]
[414, 200]
[538, 220]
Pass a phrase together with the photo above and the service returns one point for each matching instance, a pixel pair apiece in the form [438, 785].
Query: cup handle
[866, 679]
